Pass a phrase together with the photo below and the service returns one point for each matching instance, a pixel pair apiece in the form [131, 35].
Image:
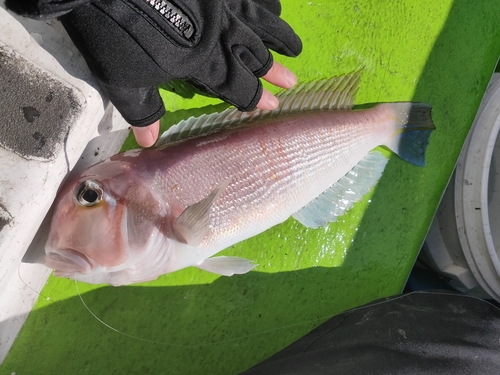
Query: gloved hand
[131, 46]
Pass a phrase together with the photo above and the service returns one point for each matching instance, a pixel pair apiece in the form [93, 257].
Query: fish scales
[275, 168]
[307, 151]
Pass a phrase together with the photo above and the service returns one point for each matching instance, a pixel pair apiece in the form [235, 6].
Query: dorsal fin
[339, 198]
[326, 94]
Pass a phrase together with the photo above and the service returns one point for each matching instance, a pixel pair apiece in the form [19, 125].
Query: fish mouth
[66, 262]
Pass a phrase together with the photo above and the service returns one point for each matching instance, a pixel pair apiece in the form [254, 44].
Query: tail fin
[416, 126]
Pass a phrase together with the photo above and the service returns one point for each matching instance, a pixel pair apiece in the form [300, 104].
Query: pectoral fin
[227, 266]
[193, 224]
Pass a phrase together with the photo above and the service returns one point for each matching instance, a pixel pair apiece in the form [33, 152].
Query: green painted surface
[442, 53]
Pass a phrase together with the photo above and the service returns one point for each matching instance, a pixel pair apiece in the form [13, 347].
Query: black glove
[43, 9]
[220, 46]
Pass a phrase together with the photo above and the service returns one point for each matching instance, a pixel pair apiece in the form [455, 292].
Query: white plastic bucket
[463, 242]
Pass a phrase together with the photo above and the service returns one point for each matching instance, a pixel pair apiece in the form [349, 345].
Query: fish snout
[66, 262]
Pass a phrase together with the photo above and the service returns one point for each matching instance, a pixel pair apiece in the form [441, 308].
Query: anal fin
[339, 198]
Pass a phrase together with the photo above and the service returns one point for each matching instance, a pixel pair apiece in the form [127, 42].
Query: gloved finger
[275, 33]
[236, 81]
[271, 5]
[139, 106]
[280, 76]
[279, 37]
[254, 56]
[146, 136]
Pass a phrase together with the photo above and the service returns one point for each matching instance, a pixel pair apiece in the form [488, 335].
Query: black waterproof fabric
[132, 46]
[431, 333]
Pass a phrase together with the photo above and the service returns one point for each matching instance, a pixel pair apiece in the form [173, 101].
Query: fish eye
[88, 193]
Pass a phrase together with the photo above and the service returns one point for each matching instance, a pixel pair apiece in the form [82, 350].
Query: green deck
[442, 53]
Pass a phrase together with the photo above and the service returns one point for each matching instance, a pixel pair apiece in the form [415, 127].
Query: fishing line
[110, 327]
[198, 345]
[29, 286]
[166, 343]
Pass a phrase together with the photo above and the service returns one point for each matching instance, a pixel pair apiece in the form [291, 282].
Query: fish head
[105, 228]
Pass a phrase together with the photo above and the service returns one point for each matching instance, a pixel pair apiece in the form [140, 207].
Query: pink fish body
[144, 213]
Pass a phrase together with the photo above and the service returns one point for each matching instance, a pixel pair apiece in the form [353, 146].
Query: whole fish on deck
[144, 213]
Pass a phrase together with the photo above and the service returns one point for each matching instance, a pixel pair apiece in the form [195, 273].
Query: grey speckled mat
[36, 109]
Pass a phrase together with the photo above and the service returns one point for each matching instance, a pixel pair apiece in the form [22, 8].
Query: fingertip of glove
[265, 67]
[296, 47]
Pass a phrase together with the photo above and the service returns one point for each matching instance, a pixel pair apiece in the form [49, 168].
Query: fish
[218, 179]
